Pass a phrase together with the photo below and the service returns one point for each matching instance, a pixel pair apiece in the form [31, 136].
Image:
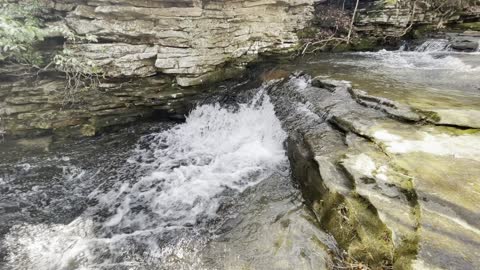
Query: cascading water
[432, 65]
[430, 55]
[172, 192]
[434, 45]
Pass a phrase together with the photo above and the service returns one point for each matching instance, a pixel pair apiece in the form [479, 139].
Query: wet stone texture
[395, 187]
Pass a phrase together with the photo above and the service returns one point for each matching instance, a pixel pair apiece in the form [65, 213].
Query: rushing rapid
[431, 55]
[170, 194]
[426, 68]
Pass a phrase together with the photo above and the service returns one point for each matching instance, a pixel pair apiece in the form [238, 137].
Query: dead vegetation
[335, 26]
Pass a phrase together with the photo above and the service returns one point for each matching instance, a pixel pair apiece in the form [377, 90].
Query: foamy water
[158, 217]
[415, 61]
[431, 55]
[434, 45]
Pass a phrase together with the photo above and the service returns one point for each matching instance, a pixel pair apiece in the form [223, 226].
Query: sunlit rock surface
[393, 187]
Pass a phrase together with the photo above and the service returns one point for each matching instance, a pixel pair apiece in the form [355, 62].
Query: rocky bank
[394, 185]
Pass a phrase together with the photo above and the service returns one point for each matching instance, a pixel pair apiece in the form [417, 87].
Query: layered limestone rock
[394, 18]
[42, 104]
[190, 39]
[146, 51]
[394, 187]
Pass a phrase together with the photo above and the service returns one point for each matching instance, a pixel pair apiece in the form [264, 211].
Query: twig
[352, 22]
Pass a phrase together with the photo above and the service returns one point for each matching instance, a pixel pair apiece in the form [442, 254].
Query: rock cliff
[147, 51]
[189, 39]
[395, 18]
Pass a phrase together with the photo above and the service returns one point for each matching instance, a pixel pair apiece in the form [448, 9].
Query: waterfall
[434, 45]
[182, 178]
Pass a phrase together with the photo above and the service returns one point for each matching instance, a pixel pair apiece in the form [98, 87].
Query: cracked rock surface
[393, 187]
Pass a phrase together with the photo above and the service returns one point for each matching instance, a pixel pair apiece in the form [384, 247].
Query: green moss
[429, 115]
[406, 253]
[474, 26]
[461, 132]
[342, 48]
[307, 32]
[88, 130]
[354, 223]
[422, 31]
[374, 242]
[365, 44]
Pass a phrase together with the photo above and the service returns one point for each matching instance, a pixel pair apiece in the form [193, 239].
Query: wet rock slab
[394, 185]
[273, 230]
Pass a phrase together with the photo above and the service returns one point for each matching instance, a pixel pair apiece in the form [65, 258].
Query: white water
[183, 176]
[434, 45]
[415, 61]
[431, 55]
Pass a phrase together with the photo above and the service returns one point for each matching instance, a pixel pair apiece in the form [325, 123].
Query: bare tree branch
[352, 22]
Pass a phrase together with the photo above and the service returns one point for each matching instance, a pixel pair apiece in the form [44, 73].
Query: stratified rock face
[145, 50]
[396, 188]
[190, 39]
[41, 104]
[394, 17]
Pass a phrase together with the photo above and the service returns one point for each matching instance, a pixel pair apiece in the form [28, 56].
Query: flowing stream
[430, 75]
[213, 192]
[167, 201]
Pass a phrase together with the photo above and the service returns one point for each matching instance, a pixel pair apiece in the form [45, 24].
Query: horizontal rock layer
[395, 18]
[145, 50]
[189, 39]
[39, 105]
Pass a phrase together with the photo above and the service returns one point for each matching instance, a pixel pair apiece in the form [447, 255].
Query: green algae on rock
[393, 189]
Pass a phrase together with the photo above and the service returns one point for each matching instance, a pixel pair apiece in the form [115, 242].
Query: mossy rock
[475, 26]
[422, 31]
[88, 130]
[357, 228]
[342, 48]
[365, 44]
[307, 32]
